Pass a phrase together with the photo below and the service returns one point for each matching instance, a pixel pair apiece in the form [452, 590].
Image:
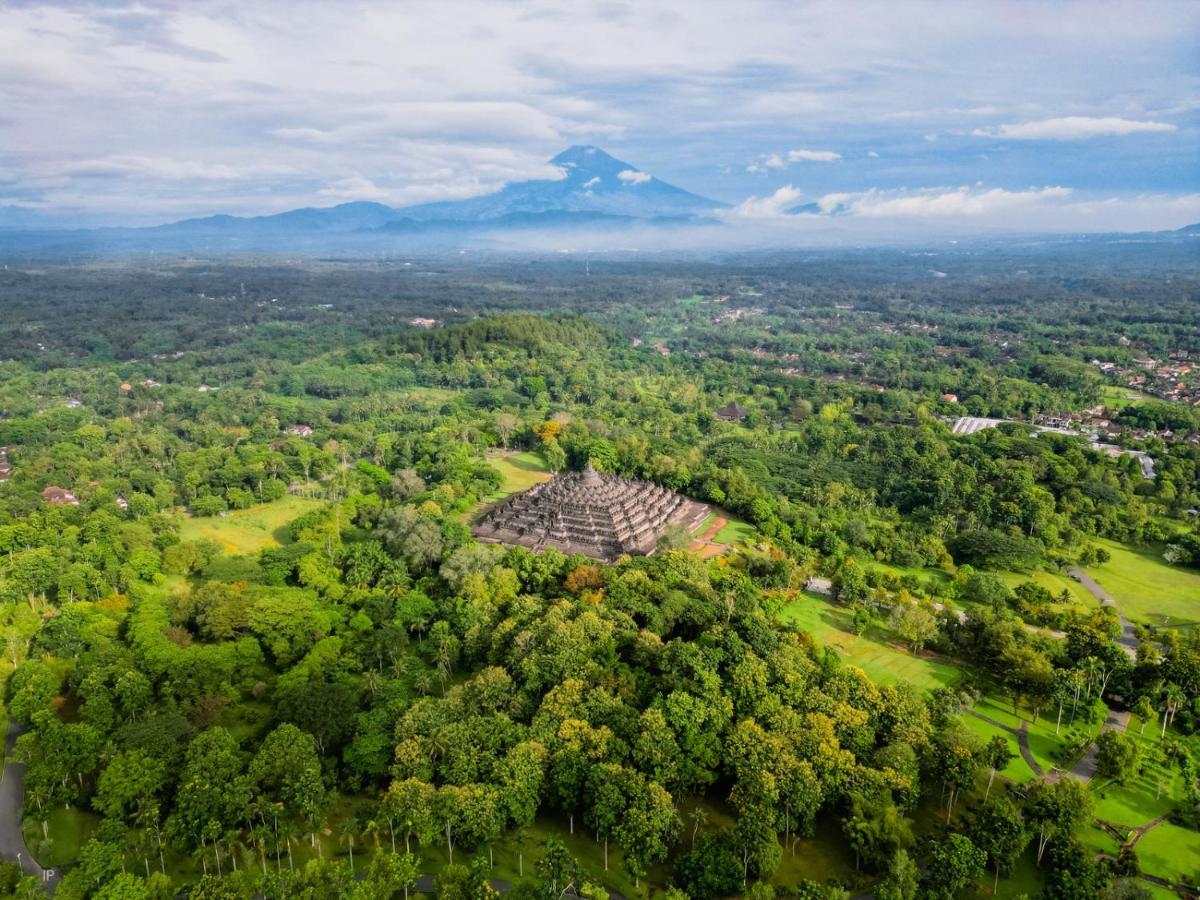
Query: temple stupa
[601, 516]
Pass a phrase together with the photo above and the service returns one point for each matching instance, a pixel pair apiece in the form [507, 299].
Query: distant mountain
[815, 209]
[593, 182]
[596, 189]
[354, 216]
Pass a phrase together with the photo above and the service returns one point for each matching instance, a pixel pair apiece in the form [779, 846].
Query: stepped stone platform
[601, 516]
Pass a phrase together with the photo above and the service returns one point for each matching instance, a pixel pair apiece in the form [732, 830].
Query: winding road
[1128, 640]
[12, 796]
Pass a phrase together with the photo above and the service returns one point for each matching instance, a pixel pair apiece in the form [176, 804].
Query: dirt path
[1141, 832]
[711, 532]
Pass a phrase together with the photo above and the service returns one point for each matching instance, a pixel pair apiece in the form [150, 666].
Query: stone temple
[601, 516]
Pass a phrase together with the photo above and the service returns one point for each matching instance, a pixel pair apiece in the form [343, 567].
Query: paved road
[1128, 640]
[1022, 736]
[1085, 768]
[12, 795]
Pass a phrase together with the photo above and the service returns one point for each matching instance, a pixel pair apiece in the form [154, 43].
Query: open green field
[242, 531]
[1146, 588]
[872, 652]
[1049, 749]
[1117, 397]
[735, 532]
[69, 829]
[1170, 851]
[1156, 789]
[1017, 770]
[1054, 583]
[518, 472]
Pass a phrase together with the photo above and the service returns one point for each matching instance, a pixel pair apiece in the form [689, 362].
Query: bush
[713, 869]
[208, 506]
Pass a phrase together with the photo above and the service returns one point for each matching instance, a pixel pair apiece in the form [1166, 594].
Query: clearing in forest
[249, 530]
[518, 472]
[872, 652]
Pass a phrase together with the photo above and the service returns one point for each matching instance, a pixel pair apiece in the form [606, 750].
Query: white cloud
[1073, 128]
[813, 156]
[162, 168]
[354, 187]
[872, 154]
[778, 163]
[943, 202]
[629, 176]
[773, 207]
[963, 209]
[592, 182]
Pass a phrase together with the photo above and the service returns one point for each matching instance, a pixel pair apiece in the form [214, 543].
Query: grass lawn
[519, 472]
[1024, 879]
[1098, 840]
[1151, 794]
[1017, 769]
[242, 531]
[823, 857]
[1117, 397]
[1048, 749]
[734, 532]
[69, 829]
[1170, 851]
[1146, 588]
[829, 626]
[932, 580]
[1055, 584]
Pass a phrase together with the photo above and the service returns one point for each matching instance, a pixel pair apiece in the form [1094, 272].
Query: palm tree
[372, 682]
[347, 831]
[259, 838]
[148, 817]
[371, 829]
[424, 684]
[290, 832]
[699, 817]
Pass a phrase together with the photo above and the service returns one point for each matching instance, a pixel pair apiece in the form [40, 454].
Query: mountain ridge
[595, 187]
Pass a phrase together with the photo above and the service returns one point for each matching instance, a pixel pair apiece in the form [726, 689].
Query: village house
[59, 496]
[732, 412]
[5, 471]
[300, 430]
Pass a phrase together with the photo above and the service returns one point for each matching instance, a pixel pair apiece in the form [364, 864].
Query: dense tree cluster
[376, 680]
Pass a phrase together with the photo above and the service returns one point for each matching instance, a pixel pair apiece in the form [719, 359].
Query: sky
[1041, 116]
